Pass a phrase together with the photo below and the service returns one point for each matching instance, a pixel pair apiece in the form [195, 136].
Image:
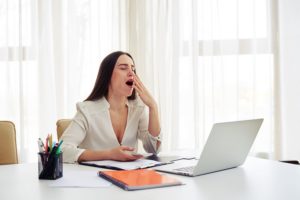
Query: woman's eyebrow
[126, 64]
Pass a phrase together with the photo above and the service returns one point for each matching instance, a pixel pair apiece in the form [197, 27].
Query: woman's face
[121, 83]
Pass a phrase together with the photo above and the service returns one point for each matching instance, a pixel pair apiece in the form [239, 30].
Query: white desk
[257, 179]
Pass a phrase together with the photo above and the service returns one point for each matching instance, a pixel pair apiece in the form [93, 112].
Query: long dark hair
[104, 76]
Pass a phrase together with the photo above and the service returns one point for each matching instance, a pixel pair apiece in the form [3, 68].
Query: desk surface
[256, 179]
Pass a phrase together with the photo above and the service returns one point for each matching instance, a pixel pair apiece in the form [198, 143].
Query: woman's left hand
[144, 94]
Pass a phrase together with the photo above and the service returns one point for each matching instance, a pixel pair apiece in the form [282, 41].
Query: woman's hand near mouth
[144, 94]
[154, 125]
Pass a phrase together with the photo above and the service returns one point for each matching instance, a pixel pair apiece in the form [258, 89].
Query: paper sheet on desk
[137, 164]
[84, 179]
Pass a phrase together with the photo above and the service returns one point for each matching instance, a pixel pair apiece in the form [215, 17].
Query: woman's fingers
[143, 92]
[127, 154]
[137, 86]
[138, 80]
[126, 148]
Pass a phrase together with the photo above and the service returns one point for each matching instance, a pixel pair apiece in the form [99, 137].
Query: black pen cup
[50, 165]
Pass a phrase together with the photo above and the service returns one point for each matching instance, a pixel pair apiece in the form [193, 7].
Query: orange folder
[138, 179]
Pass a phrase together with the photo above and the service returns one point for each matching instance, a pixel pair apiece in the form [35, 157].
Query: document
[138, 179]
[82, 179]
[110, 164]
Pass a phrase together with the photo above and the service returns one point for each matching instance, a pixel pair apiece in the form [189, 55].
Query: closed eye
[125, 67]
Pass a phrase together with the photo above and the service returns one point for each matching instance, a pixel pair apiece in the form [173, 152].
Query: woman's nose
[131, 72]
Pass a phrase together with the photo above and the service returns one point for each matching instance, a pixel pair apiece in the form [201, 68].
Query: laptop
[226, 147]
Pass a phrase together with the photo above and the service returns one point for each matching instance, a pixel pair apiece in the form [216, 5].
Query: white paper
[137, 164]
[85, 179]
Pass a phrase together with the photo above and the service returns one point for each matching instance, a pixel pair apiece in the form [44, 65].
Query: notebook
[120, 165]
[138, 179]
[226, 147]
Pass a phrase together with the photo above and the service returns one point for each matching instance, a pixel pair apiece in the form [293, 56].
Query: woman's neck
[117, 102]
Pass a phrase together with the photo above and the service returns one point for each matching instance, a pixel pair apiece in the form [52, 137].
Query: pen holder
[50, 165]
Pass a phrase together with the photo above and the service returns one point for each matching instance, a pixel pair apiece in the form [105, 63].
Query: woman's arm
[72, 137]
[121, 153]
[154, 124]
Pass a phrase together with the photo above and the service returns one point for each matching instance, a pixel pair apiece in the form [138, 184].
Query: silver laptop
[226, 147]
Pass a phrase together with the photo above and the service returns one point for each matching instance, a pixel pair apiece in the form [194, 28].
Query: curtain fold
[50, 52]
[205, 62]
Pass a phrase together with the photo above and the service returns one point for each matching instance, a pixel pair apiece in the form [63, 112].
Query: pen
[54, 143]
[58, 147]
[41, 145]
[46, 143]
[50, 141]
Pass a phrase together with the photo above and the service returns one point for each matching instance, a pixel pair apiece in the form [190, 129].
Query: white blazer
[91, 128]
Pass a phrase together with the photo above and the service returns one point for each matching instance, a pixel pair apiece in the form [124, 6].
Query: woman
[109, 122]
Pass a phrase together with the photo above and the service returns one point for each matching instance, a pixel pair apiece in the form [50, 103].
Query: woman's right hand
[123, 153]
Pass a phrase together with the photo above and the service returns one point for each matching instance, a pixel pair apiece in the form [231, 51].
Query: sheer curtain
[207, 61]
[204, 61]
[50, 52]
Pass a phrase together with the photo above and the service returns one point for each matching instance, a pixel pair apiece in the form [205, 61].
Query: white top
[91, 128]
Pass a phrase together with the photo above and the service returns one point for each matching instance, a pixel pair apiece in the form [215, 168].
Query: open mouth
[129, 82]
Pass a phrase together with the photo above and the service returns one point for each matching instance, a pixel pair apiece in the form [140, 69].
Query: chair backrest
[61, 126]
[8, 146]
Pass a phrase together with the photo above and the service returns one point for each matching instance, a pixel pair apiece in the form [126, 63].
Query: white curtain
[206, 61]
[50, 52]
[203, 60]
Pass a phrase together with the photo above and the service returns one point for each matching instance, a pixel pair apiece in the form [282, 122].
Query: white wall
[289, 36]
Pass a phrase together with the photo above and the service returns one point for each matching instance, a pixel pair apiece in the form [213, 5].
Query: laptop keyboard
[188, 169]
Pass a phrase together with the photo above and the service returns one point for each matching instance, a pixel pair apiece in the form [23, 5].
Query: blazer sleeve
[149, 141]
[73, 137]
